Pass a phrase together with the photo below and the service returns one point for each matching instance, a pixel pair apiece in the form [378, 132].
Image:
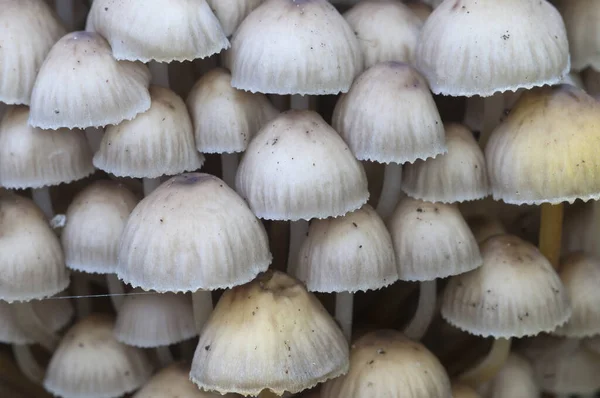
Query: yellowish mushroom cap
[473, 47]
[34, 158]
[546, 149]
[192, 232]
[515, 293]
[159, 30]
[28, 30]
[81, 85]
[385, 363]
[268, 334]
[157, 142]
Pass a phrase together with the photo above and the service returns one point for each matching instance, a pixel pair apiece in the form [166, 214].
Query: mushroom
[515, 379]
[232, 12]
[484, 227]
[580, 18]
[463, 391]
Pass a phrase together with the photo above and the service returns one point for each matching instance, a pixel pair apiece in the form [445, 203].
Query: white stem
[490, 366]
[94, 138]
[165, 358]
[425, 311]
[150, 184]
[229, 165]
[493, 108]
[116, 290]
[41, 197]
[300, 102]
[33, 327]
[81, 289]
[390, 192]
[27, 363]
[344, 307]
[298, 231]
[203, 306]
[65, 11]
[160, 73]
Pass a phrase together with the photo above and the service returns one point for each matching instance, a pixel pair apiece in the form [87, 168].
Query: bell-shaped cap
[232, 12]
[515, 379]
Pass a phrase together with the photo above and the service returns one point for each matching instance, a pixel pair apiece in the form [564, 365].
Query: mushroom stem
[390, 192]
[160, 73]
[150, 184]
[298, 231]
[27, 363]
[491, 365]
[229, 166]
[344, 309]
[425, 311]
[493, 107]
[65, 11]
[41, 197]
[551, 232]
[34, 328]
[94, 138]
[164, 356]
[116, 289]
[81, 289]
[202, 303]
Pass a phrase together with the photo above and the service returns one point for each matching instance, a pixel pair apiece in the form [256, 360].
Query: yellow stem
[551, 232]
[491, 365]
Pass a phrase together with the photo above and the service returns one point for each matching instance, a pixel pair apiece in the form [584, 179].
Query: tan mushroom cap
[28, 30]
[81, 85]
[389, 115]
[268, 334]
[580, 18]
[515, 379]
[90, 362]
[386, 30]
[484, 227]
[232, 12]
[463, 391]
[295, 47]
[32, 264]
[298, 167]
[159, 30]
[472, 47]
[420, 8]
[193, 232]
[385, 363]
[225, 119]
[347, 254]
[174, 382]
[157, 142]
[431, 240]
[455, 176]
[155, 320]
[545, 150]
[34, 158]
[580, 274]
[497, 298]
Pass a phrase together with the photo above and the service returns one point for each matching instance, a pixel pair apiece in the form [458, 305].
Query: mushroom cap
[95, 221]
[90, 362]
[386, 30]
[385, 363]
[232, 12]
[225, 119]
[455, 176]
[389, 116]
[155, 320]
[484, 227]
[34, 158]
[174, 382]
[28, 30]
[268, 334]
[515, 379]
[463, 391]
[193, 232]
[497, 298]
[295, 47]
[157, 142]
[546, 149]
[81, 85]
[472, 47]
[421, 9]
[298, 167]
[580, 274]
[431, 240]
[158, 30]
[32, 264]
[347, 254]
[53, 314]
[580, 17]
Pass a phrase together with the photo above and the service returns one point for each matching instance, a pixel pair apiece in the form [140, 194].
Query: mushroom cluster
[299, 198]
